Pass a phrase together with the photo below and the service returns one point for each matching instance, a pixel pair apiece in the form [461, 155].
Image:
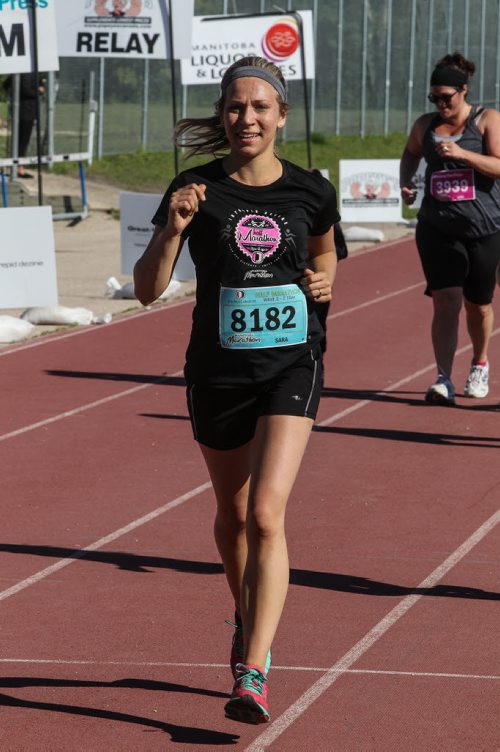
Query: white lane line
[88, 406]
[218, 666]
[373, 301]
[339, 668]
[382, 246]
[42, 574]
[48, 339]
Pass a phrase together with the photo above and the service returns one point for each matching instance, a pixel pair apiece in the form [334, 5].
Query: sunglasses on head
[444, 98]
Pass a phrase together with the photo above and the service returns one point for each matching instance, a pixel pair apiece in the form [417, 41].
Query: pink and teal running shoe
[248, 702]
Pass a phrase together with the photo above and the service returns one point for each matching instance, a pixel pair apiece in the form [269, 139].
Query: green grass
[152, 171]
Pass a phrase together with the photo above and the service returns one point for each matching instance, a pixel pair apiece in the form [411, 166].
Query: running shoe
[442, 392]
[477, 382]
[237, 647]
[248, 702]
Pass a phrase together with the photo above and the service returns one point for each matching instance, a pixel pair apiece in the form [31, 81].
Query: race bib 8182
[258, 317]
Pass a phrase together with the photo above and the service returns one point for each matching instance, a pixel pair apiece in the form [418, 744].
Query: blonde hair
[207, 135]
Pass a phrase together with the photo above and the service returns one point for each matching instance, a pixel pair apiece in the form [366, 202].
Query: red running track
[113, 601]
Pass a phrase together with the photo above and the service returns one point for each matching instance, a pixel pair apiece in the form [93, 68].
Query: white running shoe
[442, 392]
[477, 383]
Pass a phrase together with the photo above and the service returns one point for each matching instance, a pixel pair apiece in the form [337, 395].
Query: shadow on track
[397, 398]
[419, 437]
[134, 378]
[180, 734]
[14, 682]
[303, 577]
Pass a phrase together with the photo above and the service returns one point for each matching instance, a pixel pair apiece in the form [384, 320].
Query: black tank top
[473, 218]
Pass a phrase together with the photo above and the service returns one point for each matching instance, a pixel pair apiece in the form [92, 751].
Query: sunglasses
[444, 98]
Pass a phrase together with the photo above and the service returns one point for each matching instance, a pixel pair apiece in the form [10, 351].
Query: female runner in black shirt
[260, 233]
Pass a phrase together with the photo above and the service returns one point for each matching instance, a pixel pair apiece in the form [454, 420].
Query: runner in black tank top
[458, 230]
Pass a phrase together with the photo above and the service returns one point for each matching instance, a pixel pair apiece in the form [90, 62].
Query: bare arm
[487, 164]
[410, 160]
[320, 275]
[153, 271]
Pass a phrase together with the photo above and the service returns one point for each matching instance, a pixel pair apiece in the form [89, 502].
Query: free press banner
[16, 36]
[369, 190]
[123, 28]
[218, 42]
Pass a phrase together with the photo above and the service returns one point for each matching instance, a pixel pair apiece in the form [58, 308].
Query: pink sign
[453, 185]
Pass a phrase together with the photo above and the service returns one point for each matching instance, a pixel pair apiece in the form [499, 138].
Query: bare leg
[230, 474]
[278, 448]
[447, 306]
[479, 325]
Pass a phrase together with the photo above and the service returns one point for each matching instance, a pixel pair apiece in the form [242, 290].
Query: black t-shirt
[247, 237]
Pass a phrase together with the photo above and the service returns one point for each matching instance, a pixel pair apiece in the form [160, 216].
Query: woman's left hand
[316, 286]
[449, 150]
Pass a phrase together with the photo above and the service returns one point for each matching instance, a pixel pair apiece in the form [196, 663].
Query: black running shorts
[469, 263]
[225, 417]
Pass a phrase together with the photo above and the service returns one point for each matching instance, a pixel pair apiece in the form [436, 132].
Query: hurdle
[45, 160]
[79, 157]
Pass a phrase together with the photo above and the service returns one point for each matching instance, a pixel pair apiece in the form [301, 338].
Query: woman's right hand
[408, 194]
[183, 206]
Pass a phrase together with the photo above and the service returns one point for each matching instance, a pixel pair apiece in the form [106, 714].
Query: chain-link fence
[373, 63]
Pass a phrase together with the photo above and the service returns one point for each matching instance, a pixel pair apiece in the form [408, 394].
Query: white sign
[122, 28]
[16, 38]
[27, 258]
[369, 190]
[218, 42]
[136, 211]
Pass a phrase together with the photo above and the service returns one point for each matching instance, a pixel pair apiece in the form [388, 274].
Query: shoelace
[253, 680]
[477, 375]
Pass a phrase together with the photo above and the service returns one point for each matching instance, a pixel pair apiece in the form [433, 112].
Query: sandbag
[116, 291]
[13, 329]
[363, 233]
[63, 315]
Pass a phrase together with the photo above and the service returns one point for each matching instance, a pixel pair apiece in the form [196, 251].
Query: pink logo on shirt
[257, 237]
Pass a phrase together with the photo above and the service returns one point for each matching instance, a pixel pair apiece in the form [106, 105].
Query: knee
[266, 521]
[477, 311]
[233, 519]
[447, 303]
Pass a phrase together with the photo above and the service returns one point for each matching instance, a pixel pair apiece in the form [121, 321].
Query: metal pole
[92, 113]
[466, 28]
[172, 79]
[362, 125]
[429, 47]
[313, 82]
[482, 46]
[32, 10]
[15, 93]
[411, 65]
[51, 96]
[145, 106]
[339, 66]
[304, 79]
[388, 67]
[450, 24]
[100, 123]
